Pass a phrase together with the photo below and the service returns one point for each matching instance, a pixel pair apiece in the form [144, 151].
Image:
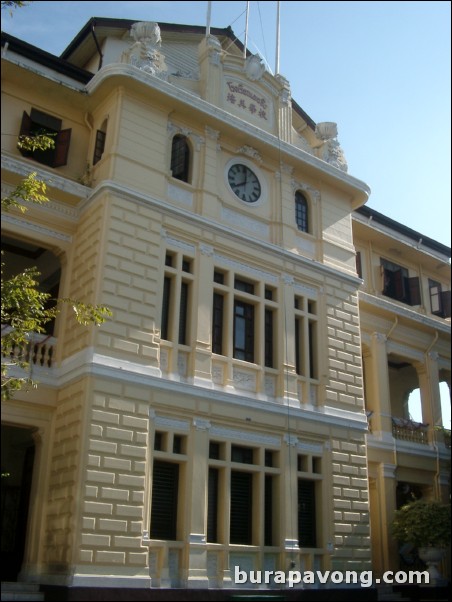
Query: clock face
[244, 183]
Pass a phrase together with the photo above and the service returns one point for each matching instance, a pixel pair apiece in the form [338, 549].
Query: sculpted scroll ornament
[145, 51]
[254, 67]
[330, 151]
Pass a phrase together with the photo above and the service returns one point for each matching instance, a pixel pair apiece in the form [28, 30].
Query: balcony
[405, 429]
[39, 351]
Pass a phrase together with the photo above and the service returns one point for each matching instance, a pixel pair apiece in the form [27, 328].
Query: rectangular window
[298, 334]
[166, 308]
[245, 455]
[241, 518]
[398, 285]
[268, 510]
[359, 268]
[183, 313]
[243, 285]
[312, 329]
[269, 338]
[165, 485]
[212, 505]
[39, 123]
[306, 514]
[439, 300]
[244, 331]
[217, 324]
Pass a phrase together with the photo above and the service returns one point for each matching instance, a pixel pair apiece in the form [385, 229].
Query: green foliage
[423, 523]
[12, 4]
[25, 309]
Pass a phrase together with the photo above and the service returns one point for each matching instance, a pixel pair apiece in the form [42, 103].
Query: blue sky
[381, 70]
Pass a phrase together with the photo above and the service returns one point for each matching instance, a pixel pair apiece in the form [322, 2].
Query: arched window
[301, 212]
[180, 158]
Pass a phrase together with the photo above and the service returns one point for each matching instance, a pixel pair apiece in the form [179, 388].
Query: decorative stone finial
[331, 150]
[145, 51]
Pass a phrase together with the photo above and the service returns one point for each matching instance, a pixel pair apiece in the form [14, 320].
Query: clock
[244, 183]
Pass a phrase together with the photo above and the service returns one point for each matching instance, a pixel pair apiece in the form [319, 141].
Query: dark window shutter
[25, 129]
[306, 514]
[241, 508]
[165, 483]
[62, 142]
[212, 506]
[445, 300]
[399, 293]
[415, 290]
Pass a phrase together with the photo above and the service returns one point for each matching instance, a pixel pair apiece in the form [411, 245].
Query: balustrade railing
[39, 350]
[410, 430]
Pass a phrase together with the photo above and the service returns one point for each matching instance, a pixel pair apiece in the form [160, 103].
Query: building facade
[246, 405]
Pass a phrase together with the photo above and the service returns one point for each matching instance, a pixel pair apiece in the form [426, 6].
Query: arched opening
[18, 452]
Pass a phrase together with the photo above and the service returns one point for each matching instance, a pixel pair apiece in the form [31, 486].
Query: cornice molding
[108, 186]
[397, 310]
[89, 363]
[53, 180]
[35, 228]
[362, 191]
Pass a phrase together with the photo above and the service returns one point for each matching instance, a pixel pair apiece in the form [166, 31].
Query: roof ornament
[330, 150]
[254, 67]
[145, 53]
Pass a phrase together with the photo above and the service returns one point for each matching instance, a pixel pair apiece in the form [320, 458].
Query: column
[202, 369]
[378, 395]
[289, 504]
[386, 495]
[196, 504]
[289, 384]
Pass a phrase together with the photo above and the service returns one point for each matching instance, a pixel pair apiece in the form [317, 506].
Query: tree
[25, 309]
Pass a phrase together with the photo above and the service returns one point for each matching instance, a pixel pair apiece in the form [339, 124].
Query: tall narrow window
[398, 285]
[165, 485]
[269, 338]
[183, 313]
[99, 145]
[301, 212]
[306, 514]
[439, 299]
[217, 323]
[166, 308]
[244, 331]
[241, 519]
[268, 510]
[212, 505]
[180, 158]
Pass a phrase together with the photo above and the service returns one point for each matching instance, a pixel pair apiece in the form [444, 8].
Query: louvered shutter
[241, 507]
[306, 514]
[25, 128]
[415, 290]
[62, 142]
[165, 483]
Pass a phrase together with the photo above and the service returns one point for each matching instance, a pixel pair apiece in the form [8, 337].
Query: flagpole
[246, 29]
[277, 39]
[209, 12]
